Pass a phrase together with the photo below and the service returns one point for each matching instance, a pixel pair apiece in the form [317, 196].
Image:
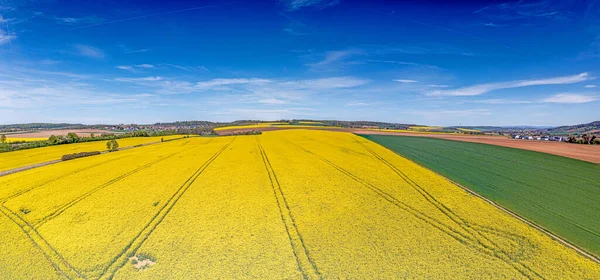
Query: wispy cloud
[332, 57]
[293, 5]
[590, 86]
[134, 68]
[143, 79]
[78, 20]
[327, 83]
[5, 20]
[89, 51]
[136, 51]
[484, 88]
[438, 86]
[405, 81]
[501, 101]
[147, 66]
[186, 68]
[273, 101]
[507, 11]
[571, 98]
[357, 104]
[126, 68]
[401, 63]
[223, 82]
[445, 114]
[151, 15]
[491, 24]
[6, 38]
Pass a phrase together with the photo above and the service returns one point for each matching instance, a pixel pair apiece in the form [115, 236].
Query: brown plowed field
[590, 153]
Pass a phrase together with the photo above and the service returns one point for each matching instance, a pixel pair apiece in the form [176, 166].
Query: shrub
[79, 155]
[112, 145]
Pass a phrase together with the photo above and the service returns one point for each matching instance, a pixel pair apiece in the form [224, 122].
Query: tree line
[71, 138]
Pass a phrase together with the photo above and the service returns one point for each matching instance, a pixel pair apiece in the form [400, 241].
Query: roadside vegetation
[71, 138]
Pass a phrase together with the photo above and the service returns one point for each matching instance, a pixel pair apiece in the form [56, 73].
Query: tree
[92, 135]
[53, 139]
[586, 139]
[112, 145]
[2, 138]
[72, 137]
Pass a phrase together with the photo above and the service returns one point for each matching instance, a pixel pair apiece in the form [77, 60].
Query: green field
[560, 194]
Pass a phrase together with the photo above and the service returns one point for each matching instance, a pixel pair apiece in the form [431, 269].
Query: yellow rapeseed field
[16, 159]
[17, 139]
[287, 204]
[424, 127]
[250, 126]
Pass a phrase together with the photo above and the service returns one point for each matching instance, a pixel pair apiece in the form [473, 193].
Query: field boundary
[572, 151]
[41, 164]
[510, 212]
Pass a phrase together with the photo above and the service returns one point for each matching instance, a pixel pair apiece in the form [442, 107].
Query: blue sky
[469, 63]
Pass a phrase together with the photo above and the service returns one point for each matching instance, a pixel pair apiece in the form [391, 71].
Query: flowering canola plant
[284, 204]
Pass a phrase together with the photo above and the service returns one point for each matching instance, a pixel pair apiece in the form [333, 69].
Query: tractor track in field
[60, 264]
[56, 179]
[131, 249]
[470, 239]
[515, 215]
[73, 202]
[457, 219]
[306, 265]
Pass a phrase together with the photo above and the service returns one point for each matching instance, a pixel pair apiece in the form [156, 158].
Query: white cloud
[484, 88]
[78, 20]
[272, 101]
[5, 20]
[89, 51]
[503, 101]
[438, 86]
[222, 82]
[356, 104]
[133, 68]
[6, 38]
[590, 86]
[293, 5]
[333, 57]
[144, 79]
[449, 114]
[405, 81]
[571, 98]
[147, 66]
[186, 68]
[327, 83]
[126, 67]
[136, 51]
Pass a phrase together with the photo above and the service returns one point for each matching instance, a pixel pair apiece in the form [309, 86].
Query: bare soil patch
[141, 264]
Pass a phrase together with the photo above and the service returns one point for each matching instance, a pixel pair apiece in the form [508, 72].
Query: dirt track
[590, 153]
[48, 133]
